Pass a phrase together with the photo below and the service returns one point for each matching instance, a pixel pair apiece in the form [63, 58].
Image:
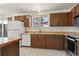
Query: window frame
[40, 17]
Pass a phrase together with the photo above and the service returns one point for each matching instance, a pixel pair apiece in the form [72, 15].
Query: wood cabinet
[73, 12]
[60, 19]
[70, 21]
[20, 18]
[53, 20]
[59, 42]
[38, 41]
[10, 48]
[41, 41]
[26, 22]
[77, 9]
[24, 19]
[50, 42]
[34, 41]
[47, 41]
[55, 41]
[63, 17]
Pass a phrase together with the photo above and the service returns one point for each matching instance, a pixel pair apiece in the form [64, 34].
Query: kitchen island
[10, 48]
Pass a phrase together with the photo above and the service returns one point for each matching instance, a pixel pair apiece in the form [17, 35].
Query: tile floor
[26, 51]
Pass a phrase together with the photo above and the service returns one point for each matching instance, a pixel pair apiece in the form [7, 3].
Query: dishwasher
[26, 40]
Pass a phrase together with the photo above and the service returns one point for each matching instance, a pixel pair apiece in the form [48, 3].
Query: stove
[71, 45]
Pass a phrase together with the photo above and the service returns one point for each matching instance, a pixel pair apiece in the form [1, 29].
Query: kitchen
[51, 28]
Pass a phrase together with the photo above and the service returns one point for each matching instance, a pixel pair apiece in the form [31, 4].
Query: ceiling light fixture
[38, 10]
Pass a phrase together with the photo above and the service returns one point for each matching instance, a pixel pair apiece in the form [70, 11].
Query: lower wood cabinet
[38, 41]
[10, 48]
[59, 42]
[47, 41]
[41, 41]
[34, 41]
[50, 42]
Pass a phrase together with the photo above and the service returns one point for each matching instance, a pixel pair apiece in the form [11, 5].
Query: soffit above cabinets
[9, 8]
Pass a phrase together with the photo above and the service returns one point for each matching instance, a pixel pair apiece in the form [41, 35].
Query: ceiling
[9, 8]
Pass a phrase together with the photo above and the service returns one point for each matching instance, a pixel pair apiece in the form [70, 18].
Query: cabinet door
[41, 41]
[52, 19]
[50, 42]
[59, 19]
[73, 12]
[24, 19]
[59, 42]
[26, 22]
[63, 19]
[77, 10]
[34, 41]
[70, 21]
[20, 18]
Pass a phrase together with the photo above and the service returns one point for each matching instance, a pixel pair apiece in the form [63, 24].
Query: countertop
[74, 34]
[8, 41]
[55, 33]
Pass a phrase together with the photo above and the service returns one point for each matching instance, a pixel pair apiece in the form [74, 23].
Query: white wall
[61, 28]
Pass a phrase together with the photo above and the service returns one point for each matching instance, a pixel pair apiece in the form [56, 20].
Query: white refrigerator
[15, 29]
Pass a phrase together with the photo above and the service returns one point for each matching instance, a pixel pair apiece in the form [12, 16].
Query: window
[40, 21]
[5, 34]
[0, 30]
[3, 30]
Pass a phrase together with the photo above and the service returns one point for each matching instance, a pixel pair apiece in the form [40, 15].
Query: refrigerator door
[15, 29]
[26, 40]
[14, 34]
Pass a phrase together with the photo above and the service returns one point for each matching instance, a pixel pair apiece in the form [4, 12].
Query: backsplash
[51, 29]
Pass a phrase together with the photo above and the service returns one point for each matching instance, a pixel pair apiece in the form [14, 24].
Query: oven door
[71, 46]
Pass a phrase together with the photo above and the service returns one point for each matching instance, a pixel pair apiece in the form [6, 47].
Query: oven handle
[70, 39]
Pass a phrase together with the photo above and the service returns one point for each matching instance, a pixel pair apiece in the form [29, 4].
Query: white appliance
[15, 29]
[26, 40]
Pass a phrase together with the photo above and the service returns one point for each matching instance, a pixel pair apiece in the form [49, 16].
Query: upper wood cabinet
[77, 9]
[73, 12]
[24, 19]
[52, 19]
[64, 19]
[70, 20]
[20, 18]
[60, 19]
